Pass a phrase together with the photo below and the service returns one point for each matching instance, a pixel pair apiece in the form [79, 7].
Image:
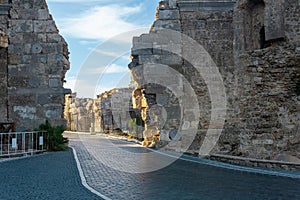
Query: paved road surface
[108, 166]
[48, 176]
[116, 169]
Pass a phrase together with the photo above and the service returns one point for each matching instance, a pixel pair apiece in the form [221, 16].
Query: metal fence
[22, 143]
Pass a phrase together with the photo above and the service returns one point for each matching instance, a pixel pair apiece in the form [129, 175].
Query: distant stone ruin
[256, 47]
[110, 111]
[33, 63]
[79, 113]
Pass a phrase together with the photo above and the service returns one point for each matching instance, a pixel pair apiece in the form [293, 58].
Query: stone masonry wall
[36, 64]
[211, 26]
[3, 61]
[79, 113]
[116, 112]
[255, 45]
[269, 102]
[111, 110]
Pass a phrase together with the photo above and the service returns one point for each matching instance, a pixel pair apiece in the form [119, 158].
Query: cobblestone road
[108, 166]
[48, 176]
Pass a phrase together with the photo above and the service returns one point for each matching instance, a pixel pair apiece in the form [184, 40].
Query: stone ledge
[198, 5]
[22, 91]
[251, 162]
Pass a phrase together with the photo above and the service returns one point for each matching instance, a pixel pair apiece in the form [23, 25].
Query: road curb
[83, 180]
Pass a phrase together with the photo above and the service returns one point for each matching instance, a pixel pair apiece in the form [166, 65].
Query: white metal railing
[18, 143]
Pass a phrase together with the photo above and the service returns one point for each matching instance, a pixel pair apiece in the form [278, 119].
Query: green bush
[132, 125]
[55, 139]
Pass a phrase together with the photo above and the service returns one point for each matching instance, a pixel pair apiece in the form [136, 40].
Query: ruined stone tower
[33, 63]
[255, 46]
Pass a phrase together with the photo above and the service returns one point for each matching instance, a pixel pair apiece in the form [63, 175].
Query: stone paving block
[48, 176]
[179, 180]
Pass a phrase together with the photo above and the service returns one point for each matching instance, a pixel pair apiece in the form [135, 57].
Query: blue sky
[99, 34]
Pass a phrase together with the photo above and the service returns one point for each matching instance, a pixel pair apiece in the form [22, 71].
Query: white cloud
[87, 42]
[70, 84]
[112, 69]
[100, 23]
[85, 87]
[108, 53]
[122, 82]
[112, 54]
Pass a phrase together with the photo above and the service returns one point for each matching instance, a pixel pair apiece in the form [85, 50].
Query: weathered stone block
[142, 49]
[43, 14]
[43, 99]
[172, 4]
[54, 82]
[21, 26]
[18, 81]
[54, 38]
[149, 59]
[49, 48]
[171, 60]
[42, 37]
[36, 48]
[168, 14]
[168, 24]
[16, 39]
[18, 70]
[39, 26]
[51, 27]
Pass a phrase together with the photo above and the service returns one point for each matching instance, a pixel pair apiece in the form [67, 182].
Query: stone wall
[79, 113]
[256, 51]
[269, 103]
[4, 9]
[209, 24]
[111, 110]
[116, 112]
[37, 60]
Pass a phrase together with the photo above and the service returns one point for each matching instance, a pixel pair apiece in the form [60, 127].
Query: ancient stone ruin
[255, 45]
[79, 113]
[33, 63]
[110, 111]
